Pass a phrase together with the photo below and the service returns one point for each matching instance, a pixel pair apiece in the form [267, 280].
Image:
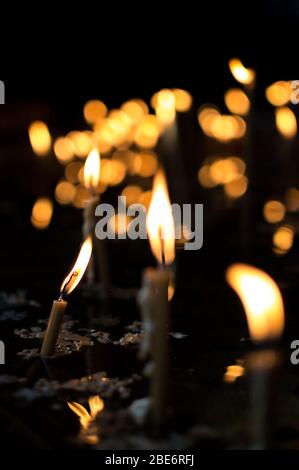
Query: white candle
[59, 306]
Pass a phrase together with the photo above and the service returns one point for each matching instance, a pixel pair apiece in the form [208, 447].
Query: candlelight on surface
[96, 406]
[286, 122]
[42, 212]
[233, 372]
[40, 138]
[91, 172]
[240, 73]
[160, 224]
[261, 299]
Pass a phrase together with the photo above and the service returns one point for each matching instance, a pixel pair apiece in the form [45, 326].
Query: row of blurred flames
[127, 137]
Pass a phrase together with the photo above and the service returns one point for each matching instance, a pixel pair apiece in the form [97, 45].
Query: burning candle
[59, 306]
[153, 297]
[263, 305]
[247, 77]
[91, 176]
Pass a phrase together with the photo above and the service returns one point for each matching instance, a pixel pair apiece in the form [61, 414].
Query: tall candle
[264, 310]
[153, 298]
[59, 306]
[99, 261]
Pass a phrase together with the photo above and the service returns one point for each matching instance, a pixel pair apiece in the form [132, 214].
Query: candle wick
[162, 249]
[74, 274]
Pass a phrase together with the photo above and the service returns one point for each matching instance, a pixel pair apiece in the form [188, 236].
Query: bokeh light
[40, 138]
[42, 212]
[237, 188]
[65, 192]
[279, 93]
[274, 211]
[64, 149]
[237, 101]
[283, 239]
[94, 110]
[286, 122]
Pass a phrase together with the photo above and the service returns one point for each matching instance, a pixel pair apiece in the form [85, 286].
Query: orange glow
[183, 100]
[236, 101]
[206, 115]
[82, 142]
[92, 168]
[147, 132]
[225, 127]
[144, 164]
[261, 299]
[204, 177]
[94, 110]
[292, 199]
[132, 193]
[283, 239]
[72, 170]
[65, 192]
[40, 138]
[96, 406]
[75, 275]
[165, 109]
[236, 188]
[233, 372]
[63, 149]
[279, 93]
[274, 211]
[160, 224]
[82, 194]
[42, 212]
[135, 109]
[241, 73]
[113, 172]
[223, 171]
[145, 199]
[286, 122]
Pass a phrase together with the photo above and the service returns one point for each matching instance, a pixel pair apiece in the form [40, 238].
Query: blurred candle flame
[40, 138]
[75, 275]
[92, 169]
[241, 73]
[261, 299]
[286, 122]
[160, 223]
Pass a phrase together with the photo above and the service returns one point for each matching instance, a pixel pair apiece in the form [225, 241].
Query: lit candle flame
[92, 168]
[261, 299]
[75, 275]
[241, 73]
[160, 224]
